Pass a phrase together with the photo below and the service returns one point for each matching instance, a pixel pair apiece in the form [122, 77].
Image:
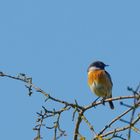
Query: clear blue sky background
[54, 42]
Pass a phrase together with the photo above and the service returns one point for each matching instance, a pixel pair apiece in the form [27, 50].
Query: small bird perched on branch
[99, 81]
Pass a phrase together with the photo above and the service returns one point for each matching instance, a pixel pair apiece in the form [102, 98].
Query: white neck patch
[93, 68]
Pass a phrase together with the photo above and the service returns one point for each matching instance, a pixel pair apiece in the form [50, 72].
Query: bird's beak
[106, 65]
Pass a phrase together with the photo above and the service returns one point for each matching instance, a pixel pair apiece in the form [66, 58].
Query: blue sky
[54, 42]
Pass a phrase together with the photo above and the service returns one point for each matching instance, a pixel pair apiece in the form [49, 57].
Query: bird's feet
[103, 101]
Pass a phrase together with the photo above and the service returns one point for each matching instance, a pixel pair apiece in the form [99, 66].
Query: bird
[99, 81]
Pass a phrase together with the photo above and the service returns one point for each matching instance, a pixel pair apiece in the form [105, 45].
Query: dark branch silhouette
[104, 133]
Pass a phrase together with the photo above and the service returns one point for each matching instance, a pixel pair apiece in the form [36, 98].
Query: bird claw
[103, 101]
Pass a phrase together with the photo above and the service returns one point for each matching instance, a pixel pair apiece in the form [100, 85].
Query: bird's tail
[111, 104]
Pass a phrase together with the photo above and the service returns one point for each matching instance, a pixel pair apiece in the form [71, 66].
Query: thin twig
[122, 128]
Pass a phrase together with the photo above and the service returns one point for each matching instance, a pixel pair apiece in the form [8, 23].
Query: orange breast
[99, 77]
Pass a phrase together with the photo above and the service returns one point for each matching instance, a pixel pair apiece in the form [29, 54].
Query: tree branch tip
[2, 74]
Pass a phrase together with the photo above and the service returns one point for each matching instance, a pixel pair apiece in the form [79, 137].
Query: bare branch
[56, 114]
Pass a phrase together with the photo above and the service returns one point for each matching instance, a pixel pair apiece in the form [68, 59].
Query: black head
[97, 65]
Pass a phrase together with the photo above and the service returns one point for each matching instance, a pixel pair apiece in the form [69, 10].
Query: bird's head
[96, 65]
